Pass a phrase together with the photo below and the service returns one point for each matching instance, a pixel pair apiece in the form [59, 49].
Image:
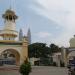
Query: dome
[25, 38]
[72, 42]
[72, 39]
[9, 12]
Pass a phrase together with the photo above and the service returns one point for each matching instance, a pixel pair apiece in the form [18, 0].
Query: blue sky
[50, 21]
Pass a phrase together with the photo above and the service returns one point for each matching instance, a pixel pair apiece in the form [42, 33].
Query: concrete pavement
[45, 70]
[38, 70]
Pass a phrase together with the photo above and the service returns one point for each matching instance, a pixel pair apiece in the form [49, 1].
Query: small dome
[72, 39]
[25, 38]
[72, 42]
[9, 12]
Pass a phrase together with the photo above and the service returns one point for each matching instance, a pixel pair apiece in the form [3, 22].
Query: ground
[44, 70]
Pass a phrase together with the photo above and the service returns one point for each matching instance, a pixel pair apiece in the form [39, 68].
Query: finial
[10, 5]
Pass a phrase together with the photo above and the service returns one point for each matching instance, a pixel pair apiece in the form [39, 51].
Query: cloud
[53, 9]
[63, 13]
[43, 34]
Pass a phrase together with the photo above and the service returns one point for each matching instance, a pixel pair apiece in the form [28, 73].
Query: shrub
[25, 68]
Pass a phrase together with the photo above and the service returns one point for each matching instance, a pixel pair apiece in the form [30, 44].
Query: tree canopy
[42, 51]
[38, 50]
[54, 48]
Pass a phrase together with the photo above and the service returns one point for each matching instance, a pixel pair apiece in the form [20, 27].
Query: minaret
[29, 36]
[9, 33]
[20, 35]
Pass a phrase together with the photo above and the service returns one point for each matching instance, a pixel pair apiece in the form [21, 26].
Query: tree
[39, 50]
[54, 48]
[25, 68]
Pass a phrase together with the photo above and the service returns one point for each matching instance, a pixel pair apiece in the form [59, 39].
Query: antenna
[10, 7]
[12, 4]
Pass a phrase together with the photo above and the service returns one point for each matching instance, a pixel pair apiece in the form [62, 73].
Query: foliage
[45, 61]
[38, 50]
[54, 48]
[42, 51]
[25, 68]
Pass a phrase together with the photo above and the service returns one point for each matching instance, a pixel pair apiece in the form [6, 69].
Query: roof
[9, 12]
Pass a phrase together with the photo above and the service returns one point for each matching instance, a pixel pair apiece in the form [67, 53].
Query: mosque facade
[12, 51]
[66, 55]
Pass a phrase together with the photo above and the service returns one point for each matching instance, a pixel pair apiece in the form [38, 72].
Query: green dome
[9, 12]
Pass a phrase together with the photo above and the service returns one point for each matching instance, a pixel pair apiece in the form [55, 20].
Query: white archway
[11, 52]
[71, 55]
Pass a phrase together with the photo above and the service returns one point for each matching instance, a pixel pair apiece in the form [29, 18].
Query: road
[43, 70]
[49, 71]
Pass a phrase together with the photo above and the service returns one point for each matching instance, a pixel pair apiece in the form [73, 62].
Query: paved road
[49, 71]
[39, 71]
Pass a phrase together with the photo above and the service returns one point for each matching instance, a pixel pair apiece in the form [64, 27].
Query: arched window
[10, 17]
[14, 18]
[7, 17]
[9, 38]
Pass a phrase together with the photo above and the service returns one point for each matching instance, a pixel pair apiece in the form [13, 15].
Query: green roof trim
[5, 43]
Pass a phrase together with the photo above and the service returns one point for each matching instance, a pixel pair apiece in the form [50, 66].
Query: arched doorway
[71, 54]
[71, 57]
[10, 57]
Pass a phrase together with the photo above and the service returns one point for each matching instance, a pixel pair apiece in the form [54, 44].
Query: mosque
[12, 51]
[66, 55]
[70, 52]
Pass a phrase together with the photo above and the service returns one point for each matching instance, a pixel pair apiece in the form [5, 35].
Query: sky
[50, 21]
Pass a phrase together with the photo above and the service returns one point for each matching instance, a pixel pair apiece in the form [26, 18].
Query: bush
[25, 68]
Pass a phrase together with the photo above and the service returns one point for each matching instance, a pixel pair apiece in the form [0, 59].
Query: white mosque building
[66, 54]
[12, 51]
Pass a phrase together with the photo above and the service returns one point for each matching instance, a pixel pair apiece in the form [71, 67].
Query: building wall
[33, 59]
[57, 58]
[22, 50]
[9, 25]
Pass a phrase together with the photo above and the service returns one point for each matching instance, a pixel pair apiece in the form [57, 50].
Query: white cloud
[53, 9]
[43, 34]
[62, 12]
